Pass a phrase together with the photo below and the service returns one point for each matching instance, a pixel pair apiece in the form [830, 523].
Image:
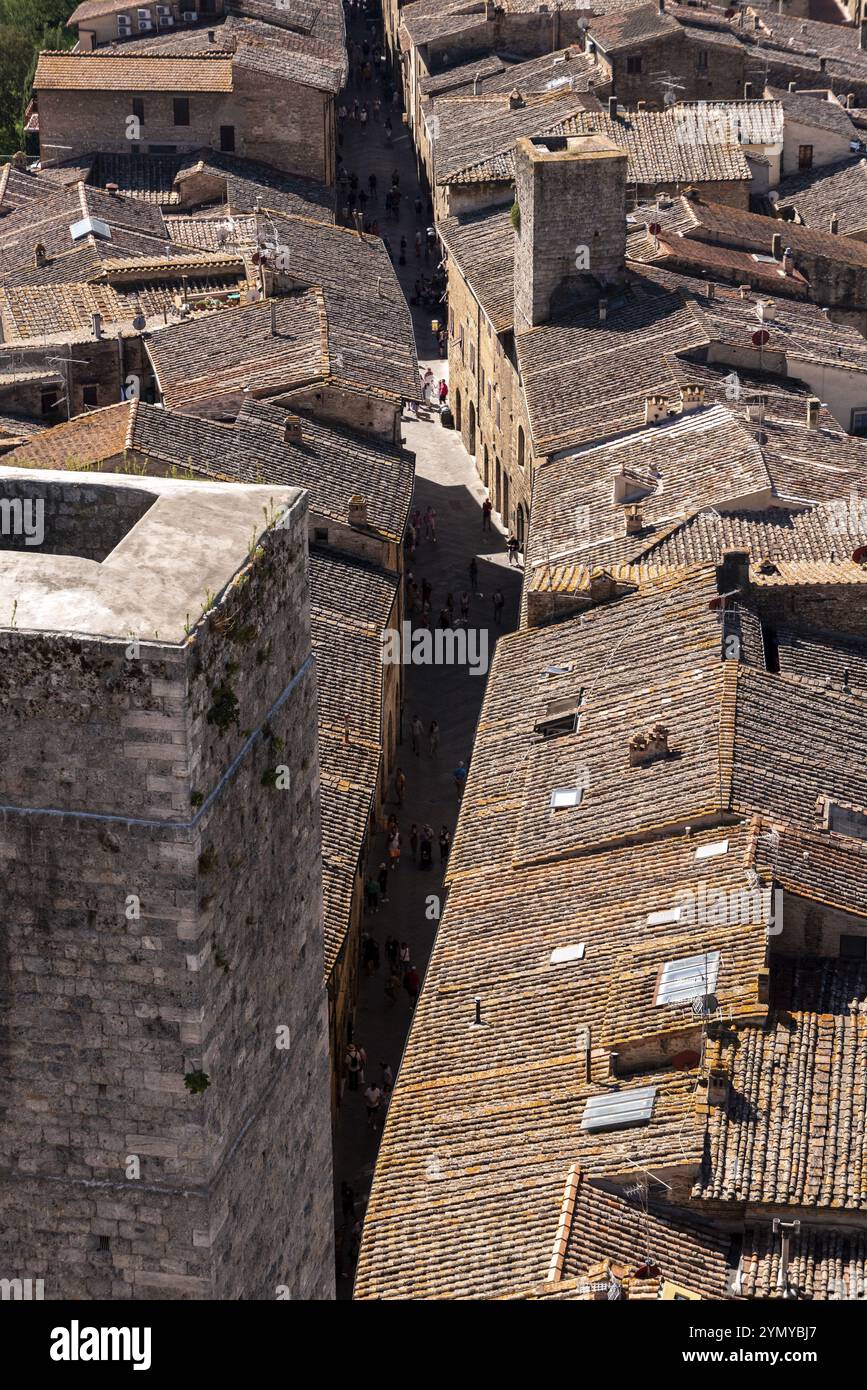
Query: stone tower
[163, 1025]
[571, 239]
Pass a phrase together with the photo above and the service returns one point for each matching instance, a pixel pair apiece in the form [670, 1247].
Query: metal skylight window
[562, 955]
[664, 917]
[712, 850]
[619, 1109]
[561, 716]
[561, 797]
[687, 978]
[88, 226]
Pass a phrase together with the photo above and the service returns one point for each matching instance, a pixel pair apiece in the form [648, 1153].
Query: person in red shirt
[412, 985]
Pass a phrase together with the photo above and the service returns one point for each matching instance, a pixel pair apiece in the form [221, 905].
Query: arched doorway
[520, 524]
[458, 416]
[505, 509]
[471, 428]
[498, 491]
[487, 468]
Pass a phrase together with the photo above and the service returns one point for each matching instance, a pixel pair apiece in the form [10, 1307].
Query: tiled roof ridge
[130, 428]
[727, 729]
[137, 56]
[564, 1224]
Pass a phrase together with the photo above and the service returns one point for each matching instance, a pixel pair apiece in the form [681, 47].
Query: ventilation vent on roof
[564, 954]
[90, 226]
[619, 1109]
[687, 978]
[558, 670]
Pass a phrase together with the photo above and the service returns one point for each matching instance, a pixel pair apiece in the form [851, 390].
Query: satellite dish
[759, 339]
[669, 98]
[704, 1005]
[655, 228]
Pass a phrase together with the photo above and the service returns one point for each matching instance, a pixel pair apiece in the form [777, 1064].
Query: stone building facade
[165, 1025]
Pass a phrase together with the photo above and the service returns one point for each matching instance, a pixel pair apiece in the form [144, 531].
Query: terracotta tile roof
[837, 190]
[461, 76]
[206, 364]
[116, 72]
[81, 441]
[350, 605]
[615, 33]
[92, 9]
[477, 128]
[748, 122]
[468, 1197]
[582, 379]
[728, 226]
[805, 108]
[332, 464]
[824, 1263]
[570, 68]
[20, 189]
[823, 661]
[483, 246]
[658, 151]
[794, 1130]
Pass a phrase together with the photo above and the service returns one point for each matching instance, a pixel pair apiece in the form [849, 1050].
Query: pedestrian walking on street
[402, 257]
[498, 606]
[387, 1078]
[412, 985]
[413, 840]
[417, 731]
[460, 776]
[355, 1060]
[392, 985]
[388, 130]
[404, 956]
[487, 508]
[443, 391]
[373, 1100]
[433, 738]
[399, 786]
[392, 951]
[382, 878]
[465, 606]
[445, 844]
[474, 575]
[370, 955]
[445, 619]
[430, 524]
[371, 187]
[371, 894]
[513, 546]
[394, 850]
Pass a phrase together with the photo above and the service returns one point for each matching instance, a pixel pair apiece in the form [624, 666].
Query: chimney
[834, 224]
[744, 291]
[113, 189]
[648, 747]
[634, 520]
[96, 325]
[691, 398]
[748, 91]
[788, 261]
[603, 308]
[862, 34]
[734, 571]
[587, 177]
[357, 510]
[641, 105]
[612, 108]
[785, 1230]
[814, 405]
[515, 99]
[662, 6]
[850, 100]
[292, 430]
[823, 63]
[793, 86]
[489, 9]
[777, 245]
[655, 409]
[274, 318]
[85, 40]
[212, 36]
[718, 1082]
[40, 257]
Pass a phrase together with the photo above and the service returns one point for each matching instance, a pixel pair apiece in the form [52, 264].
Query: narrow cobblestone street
[446, 480]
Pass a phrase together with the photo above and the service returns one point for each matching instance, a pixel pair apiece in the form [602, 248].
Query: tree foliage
[26, 26]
